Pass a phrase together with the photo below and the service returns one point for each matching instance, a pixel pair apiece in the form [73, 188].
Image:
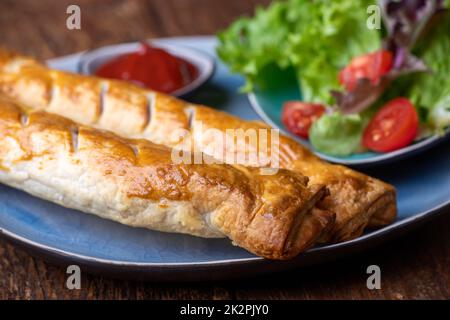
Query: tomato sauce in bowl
[150, 67]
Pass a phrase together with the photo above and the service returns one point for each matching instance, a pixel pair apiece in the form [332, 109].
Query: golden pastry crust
[135, 182]
[358, 200]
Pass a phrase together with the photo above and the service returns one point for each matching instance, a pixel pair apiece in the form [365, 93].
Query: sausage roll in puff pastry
[358, 200]
[135, 182]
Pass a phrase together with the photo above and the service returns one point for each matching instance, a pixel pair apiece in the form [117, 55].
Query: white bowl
[91, 60]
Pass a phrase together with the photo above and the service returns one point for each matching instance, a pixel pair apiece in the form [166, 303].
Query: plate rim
[379, 159]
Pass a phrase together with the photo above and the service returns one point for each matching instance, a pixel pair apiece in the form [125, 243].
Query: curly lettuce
[316, 38]
[337, 134]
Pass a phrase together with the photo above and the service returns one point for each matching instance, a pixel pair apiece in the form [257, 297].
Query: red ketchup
[150, 67]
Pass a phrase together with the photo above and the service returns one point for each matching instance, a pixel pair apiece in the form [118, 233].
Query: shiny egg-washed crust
[135, 182]
[358, 200]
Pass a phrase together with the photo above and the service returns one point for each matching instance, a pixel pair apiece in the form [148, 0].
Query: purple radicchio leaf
[405, 20]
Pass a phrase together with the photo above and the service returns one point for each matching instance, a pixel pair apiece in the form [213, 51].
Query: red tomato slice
[394, 126]
[299, 116]
[371, 66]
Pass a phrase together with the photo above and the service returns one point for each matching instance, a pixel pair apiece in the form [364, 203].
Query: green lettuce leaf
[316, 38]
[337, 134]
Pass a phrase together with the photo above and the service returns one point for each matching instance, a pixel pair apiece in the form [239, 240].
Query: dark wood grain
[416, 266]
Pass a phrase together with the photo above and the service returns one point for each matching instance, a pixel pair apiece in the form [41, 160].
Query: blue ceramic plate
[283, 87]
[67, 236]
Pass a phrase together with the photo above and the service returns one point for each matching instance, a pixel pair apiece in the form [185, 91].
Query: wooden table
[415, 266]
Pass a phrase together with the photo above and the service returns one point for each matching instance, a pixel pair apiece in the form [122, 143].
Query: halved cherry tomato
[393, 127]
[371, 66]
[299, 116]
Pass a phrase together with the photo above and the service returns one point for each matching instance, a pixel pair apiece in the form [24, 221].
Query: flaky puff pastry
[135, 182]
[357, 199]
